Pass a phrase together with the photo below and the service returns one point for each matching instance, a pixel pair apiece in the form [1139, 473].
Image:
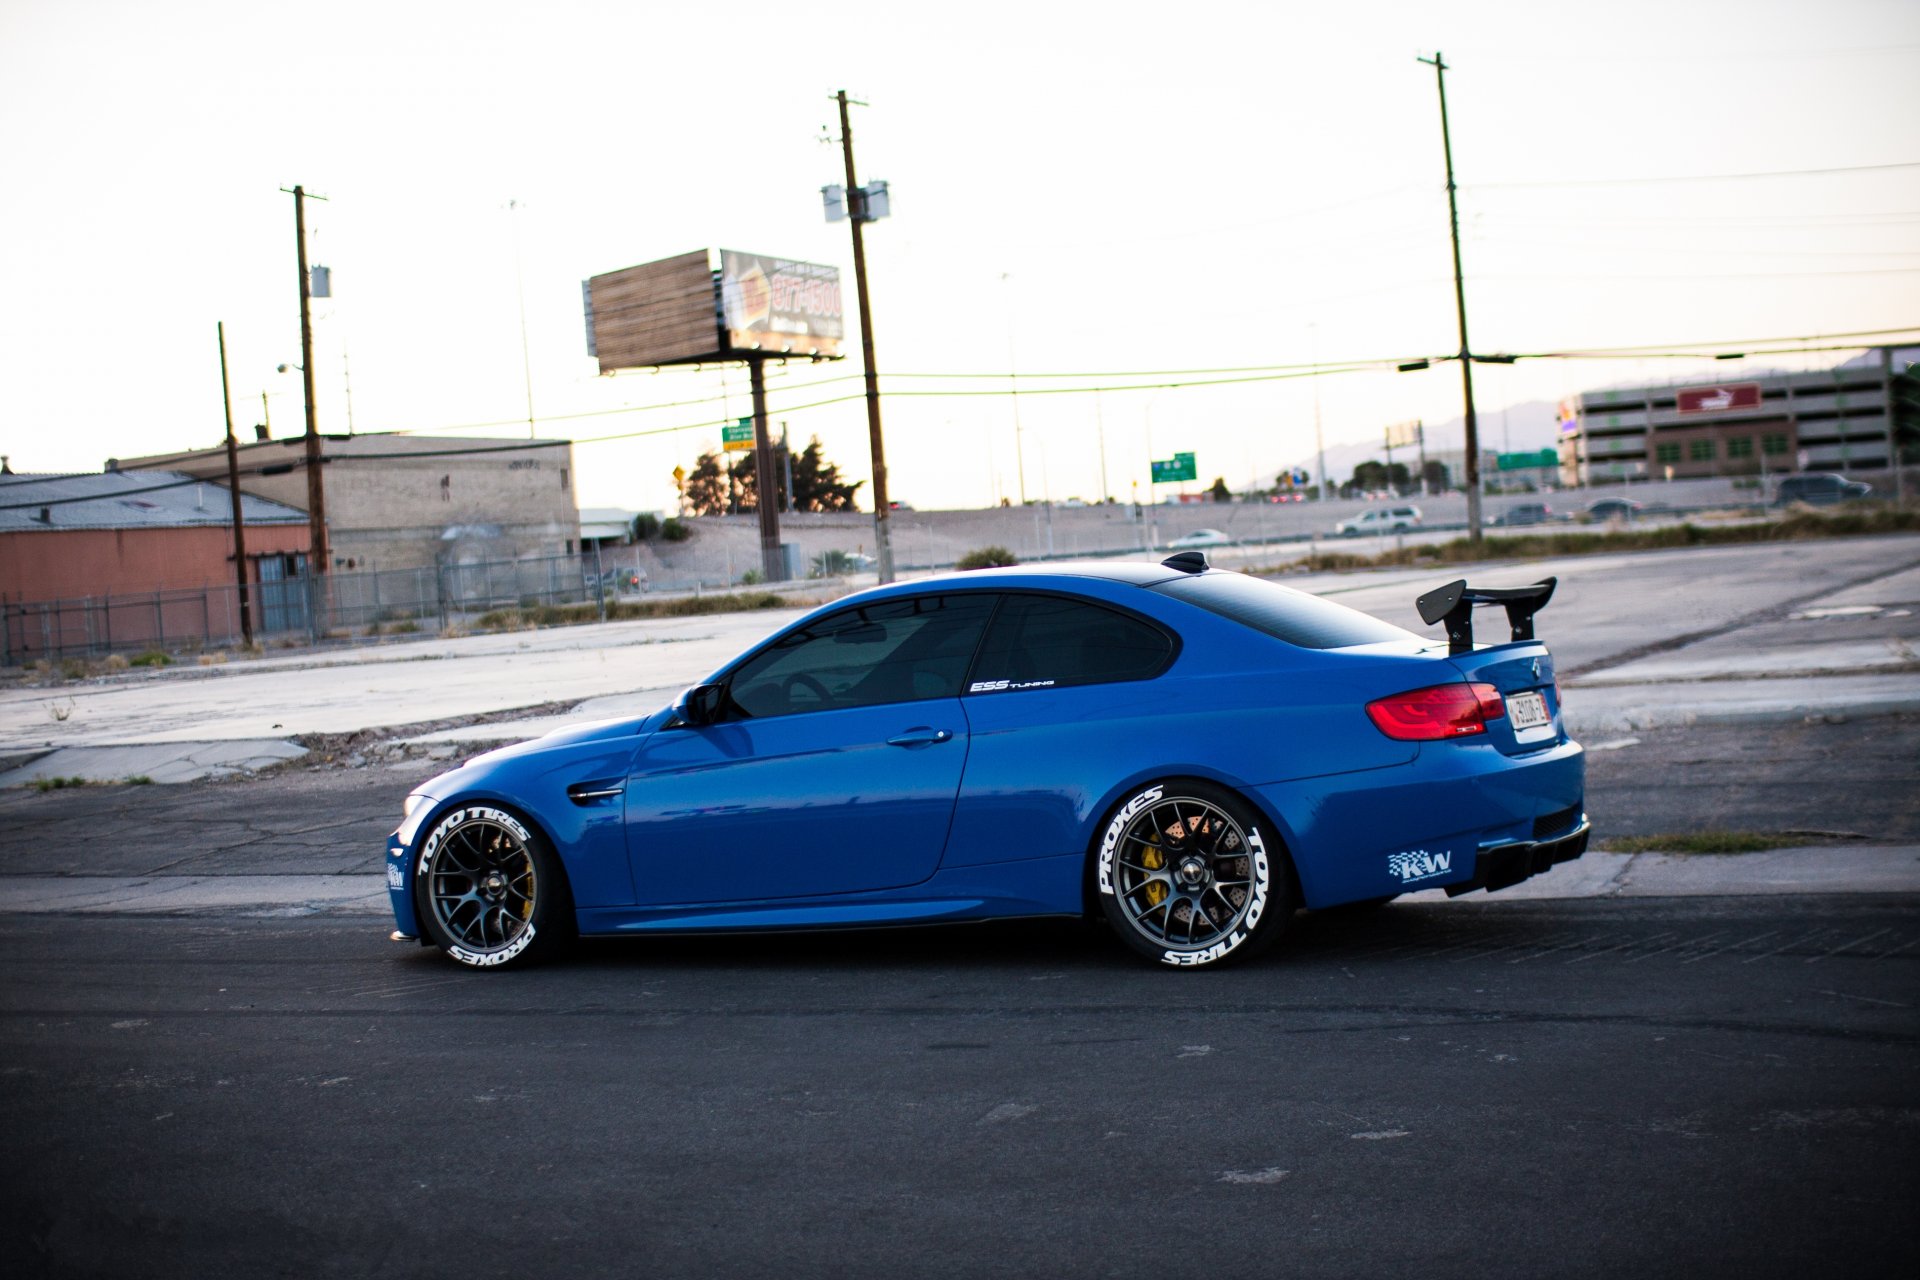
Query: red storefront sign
[1737, 395]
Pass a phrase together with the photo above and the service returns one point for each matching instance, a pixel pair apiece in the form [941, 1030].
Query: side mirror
[700, 704]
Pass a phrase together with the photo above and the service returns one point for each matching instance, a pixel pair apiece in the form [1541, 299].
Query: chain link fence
[340, 606]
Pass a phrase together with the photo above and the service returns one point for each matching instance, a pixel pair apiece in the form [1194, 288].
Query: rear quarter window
[1281, 612]
[1043, 642]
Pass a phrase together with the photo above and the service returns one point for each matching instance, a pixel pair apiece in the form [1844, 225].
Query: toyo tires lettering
[1256, 907]
[482, 959]
[453, 820]
[1110, 844]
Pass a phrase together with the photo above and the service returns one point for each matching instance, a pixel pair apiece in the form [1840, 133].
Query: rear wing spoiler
[1453, 605]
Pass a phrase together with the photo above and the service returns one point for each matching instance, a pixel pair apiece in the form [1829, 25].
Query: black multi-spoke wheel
[1186, 875]
[488, 890]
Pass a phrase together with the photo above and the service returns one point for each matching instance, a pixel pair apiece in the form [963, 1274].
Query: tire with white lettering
[1188, 876]
[489, 889]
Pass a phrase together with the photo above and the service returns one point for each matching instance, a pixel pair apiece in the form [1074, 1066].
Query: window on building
[1773, 444]
[1666, 453]
[1700, 450]
[563, 479]
[1740, 447]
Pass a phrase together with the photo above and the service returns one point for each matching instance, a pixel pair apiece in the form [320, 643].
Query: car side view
[1189, 754]
[1380, 520]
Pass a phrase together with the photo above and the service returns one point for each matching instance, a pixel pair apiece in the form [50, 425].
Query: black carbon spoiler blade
[1453, 605]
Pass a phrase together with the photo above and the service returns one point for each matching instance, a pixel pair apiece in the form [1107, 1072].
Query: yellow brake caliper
[1153, 860]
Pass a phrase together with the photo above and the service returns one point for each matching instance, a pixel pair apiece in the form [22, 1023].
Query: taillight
[1444, 711]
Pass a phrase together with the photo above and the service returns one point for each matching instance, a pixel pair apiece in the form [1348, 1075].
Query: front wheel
[1187, 878]
[490, 890]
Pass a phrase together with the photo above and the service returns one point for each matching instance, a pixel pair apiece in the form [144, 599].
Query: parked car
[1819, 489]
[1524, 513]
[1189, 753]
[1380, 520]
[1605, 509]
[1200, 538]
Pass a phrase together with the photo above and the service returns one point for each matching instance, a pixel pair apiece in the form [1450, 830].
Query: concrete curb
[156, 762]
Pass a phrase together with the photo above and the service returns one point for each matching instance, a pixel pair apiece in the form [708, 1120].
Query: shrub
[645, 525]
[986, 558]
[672, 529]
[151, 658]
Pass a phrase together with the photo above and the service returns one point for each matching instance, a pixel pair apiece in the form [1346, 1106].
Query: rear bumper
[1501, 866]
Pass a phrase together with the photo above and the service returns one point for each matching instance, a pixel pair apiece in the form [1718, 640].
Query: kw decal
[1418, 864]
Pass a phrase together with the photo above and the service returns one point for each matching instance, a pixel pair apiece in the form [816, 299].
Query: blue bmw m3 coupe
[1188, 753]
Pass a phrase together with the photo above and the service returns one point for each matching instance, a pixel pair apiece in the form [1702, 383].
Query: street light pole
[882, 535]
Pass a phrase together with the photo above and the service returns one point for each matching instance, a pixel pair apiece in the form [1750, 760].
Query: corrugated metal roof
[113, 500]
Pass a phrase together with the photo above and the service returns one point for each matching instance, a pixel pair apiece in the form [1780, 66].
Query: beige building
[402, 502]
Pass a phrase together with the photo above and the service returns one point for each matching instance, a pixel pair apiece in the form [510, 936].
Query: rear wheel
[490, 891]
[1186, 876]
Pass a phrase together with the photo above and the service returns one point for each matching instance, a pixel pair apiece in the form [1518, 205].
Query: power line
[1693, 177]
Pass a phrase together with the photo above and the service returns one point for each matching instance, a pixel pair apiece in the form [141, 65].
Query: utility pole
[233, 489]
[1319, 438]
[766, 476]
[1892, 402]
[1100, 424]
[1013, 366]
[520, 291]
[1439, 64]
[317, 557]
[882, 537]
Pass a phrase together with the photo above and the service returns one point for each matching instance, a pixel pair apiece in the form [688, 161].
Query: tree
[706, 487]
[1437, 480]
[1373, 474]
[1219, 492]
[817, 485]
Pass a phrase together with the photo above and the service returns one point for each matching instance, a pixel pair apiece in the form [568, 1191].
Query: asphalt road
[1702, 1087]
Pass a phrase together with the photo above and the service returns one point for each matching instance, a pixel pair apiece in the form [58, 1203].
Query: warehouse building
[404, 502]
[1840, 419]
[93, 563]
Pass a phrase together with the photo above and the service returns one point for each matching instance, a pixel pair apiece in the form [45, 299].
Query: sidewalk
[1809, 870]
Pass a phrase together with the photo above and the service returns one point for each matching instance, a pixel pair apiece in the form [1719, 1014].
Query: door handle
[920, 737]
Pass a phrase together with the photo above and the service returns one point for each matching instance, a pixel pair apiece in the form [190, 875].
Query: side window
[892, 651]
[1039, 642]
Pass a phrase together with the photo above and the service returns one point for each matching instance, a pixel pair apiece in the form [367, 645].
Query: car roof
[1139, 573]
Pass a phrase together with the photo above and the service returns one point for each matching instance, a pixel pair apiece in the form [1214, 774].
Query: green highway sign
[737, 437]
[1178, 467]
[1535, 458]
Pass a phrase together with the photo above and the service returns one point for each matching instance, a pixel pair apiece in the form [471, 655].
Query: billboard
[1737, 395]
[656, 313]
[779, 305]
[682, 310]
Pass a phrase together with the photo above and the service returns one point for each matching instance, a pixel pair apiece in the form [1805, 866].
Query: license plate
[1528, 711]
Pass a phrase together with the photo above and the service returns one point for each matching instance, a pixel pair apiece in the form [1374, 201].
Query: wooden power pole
[1439, 65]
[233, 489]
[857, 211]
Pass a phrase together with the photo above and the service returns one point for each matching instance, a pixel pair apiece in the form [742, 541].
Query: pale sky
[1076, 190]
